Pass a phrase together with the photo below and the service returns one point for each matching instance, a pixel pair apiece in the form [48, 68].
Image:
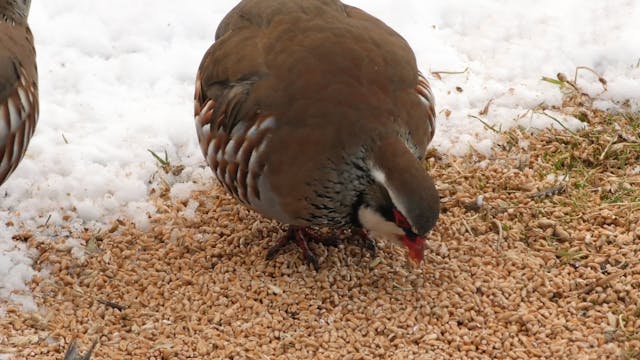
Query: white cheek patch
[381, 178]
[374, 222]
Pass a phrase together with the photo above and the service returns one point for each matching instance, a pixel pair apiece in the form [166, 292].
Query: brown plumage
[313, 113]
[18, 85]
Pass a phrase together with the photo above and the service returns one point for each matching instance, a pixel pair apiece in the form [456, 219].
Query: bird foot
[364, 241]
[300, 236]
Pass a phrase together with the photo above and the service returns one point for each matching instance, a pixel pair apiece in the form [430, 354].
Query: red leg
[299, 235]
[302, 235]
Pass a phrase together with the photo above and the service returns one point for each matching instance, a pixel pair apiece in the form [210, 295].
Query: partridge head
[314, 113]
[18, 84]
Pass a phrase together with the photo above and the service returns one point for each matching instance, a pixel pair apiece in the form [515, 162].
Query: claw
[281, 244]
[365, 241]
[300, 236]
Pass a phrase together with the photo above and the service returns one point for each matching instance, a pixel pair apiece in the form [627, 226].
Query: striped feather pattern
[232, 146]
[426, 96]
[18, 85]
[18, 119]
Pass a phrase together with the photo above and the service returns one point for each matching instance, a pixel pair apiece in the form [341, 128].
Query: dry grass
[537, 269]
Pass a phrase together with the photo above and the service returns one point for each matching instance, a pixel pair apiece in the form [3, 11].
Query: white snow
[506, 47]
[116, 79]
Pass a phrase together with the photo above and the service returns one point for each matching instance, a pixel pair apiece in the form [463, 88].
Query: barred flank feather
[18, 85]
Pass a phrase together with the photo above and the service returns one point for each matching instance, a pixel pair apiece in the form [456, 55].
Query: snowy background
[116, 79]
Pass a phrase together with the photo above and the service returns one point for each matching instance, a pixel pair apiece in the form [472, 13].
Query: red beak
[416, 247]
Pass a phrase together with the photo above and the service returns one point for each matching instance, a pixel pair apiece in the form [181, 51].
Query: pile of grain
[532, 269]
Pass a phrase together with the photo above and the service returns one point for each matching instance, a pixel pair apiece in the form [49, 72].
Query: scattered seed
[564, 263]
[546, 223]
[274, 289]
[561, 234]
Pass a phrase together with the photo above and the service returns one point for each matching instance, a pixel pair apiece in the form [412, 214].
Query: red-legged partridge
[314, 113]
[18, 84]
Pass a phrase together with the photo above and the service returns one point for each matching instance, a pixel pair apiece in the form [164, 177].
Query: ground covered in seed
[536, 255]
